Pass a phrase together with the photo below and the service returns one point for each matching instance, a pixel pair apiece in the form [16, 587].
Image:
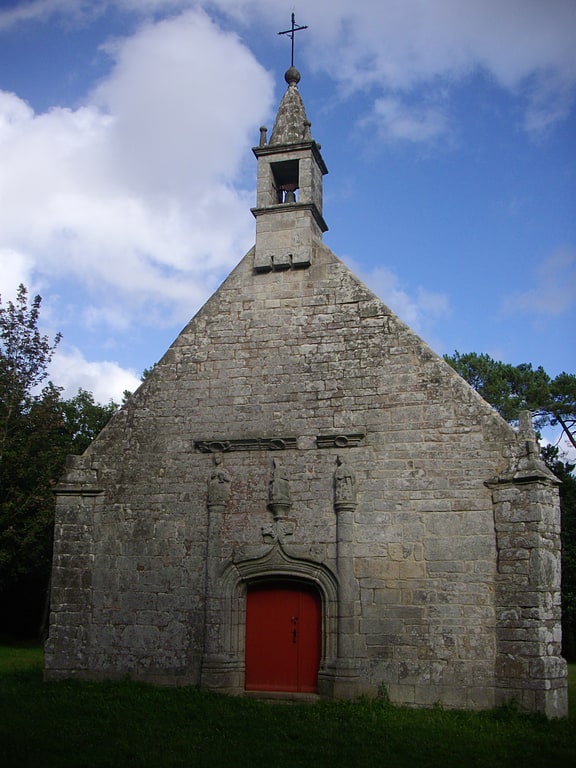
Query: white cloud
[21, 12]
[126, 195]
[189, 92]
[396, 120]
[15, 269]
[394, 49]
[71, 11]
[554, 293]
[527, 47]
[107, 380]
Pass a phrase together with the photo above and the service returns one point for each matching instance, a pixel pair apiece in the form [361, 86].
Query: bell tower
[288, 212]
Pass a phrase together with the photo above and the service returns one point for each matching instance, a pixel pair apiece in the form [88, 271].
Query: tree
[84, 419]
[24, 358]
[28, 458]
[37, 431]
[509, 389]
[512, 388]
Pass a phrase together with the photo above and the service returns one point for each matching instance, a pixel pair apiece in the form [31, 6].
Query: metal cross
[290, 33]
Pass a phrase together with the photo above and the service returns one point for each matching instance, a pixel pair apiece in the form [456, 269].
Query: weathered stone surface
[435, 553]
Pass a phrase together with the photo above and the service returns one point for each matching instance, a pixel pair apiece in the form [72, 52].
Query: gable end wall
[407, 571]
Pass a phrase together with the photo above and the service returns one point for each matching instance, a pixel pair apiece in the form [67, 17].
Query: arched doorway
[283, 636]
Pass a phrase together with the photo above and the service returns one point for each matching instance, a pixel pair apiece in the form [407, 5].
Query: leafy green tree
[24, 358]
[37, 431]
[29, 461]
[83, 419]
[510, 389]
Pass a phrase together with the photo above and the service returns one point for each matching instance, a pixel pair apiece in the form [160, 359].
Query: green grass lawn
[123, 724]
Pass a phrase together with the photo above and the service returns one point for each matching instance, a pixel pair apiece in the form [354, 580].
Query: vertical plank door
[283, 637]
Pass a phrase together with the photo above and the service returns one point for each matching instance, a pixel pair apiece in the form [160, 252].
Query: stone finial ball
[292, 76]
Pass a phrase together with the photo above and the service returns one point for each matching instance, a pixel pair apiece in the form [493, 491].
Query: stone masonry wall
[304, 357]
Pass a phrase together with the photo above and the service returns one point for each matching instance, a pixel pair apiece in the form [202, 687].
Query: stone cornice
[291, 208]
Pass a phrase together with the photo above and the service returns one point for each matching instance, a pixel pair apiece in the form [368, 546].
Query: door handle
[294, 628]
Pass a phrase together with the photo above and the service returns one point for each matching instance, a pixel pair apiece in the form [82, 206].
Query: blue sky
[127, 177]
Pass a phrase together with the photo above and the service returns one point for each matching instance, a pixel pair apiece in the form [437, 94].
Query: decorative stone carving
[279, 500]
[279, 530]
[218, 484]
[350, 440]
[340, 441]
[525, 462]
[245, 444]
[344, 484]
[269, 531]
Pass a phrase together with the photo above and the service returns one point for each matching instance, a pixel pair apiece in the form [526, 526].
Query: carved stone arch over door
[276, 567]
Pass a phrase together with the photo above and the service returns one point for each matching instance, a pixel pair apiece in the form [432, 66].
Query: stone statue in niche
[279, 501]
[218, 483]
[344, 483]
[279, 485]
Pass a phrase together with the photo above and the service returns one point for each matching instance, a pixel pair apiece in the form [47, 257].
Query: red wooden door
[283, 638]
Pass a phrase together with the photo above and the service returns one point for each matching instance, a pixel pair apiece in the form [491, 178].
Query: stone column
[529, 666]
[345, 503]
[218, 670]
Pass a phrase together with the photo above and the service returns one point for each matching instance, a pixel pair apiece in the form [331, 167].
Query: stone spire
[292, 125]
[289, 222]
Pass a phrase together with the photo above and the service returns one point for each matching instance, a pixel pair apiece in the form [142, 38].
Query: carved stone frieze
[246, 444]
[349, 440]
[340, 441]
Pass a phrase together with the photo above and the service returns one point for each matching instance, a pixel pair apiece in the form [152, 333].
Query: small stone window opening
[286, 180]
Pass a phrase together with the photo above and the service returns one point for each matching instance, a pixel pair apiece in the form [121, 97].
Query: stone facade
[297, 431]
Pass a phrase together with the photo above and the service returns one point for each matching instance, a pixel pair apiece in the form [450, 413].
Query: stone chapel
[303, 499]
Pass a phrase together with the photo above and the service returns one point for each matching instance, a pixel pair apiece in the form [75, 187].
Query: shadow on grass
[88, 725]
